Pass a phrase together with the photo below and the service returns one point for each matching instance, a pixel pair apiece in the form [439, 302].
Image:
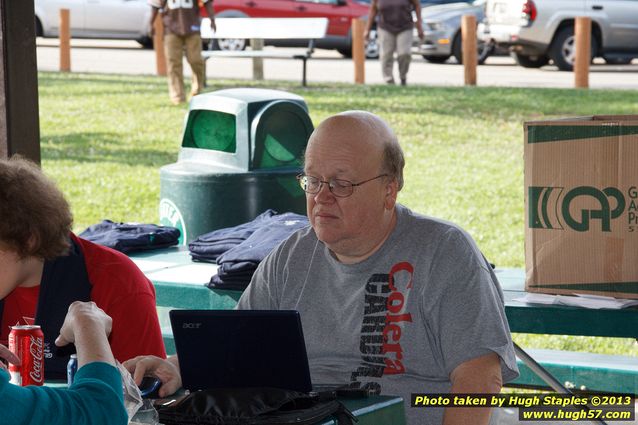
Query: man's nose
[324, 195]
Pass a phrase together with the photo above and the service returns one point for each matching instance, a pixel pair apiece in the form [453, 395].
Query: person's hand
[421, 34]
[9, 356]
[82, 315]
[213, 26]
[366, 34]
[165, 370]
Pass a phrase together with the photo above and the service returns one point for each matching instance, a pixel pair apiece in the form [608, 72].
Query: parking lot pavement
[126, 57]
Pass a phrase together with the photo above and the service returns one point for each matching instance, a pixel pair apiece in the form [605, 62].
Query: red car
[339, 13]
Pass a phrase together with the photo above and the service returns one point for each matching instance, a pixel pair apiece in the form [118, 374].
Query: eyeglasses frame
[330, 187]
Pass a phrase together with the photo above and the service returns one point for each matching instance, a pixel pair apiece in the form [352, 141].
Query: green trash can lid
[279, 135]
[249, 95]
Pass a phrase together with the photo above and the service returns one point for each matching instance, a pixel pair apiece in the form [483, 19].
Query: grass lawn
[104, 138]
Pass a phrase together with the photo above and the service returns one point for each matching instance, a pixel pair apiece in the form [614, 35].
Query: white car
[116, 19]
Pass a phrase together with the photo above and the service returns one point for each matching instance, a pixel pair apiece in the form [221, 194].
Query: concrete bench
[265, 28]
[582, 371]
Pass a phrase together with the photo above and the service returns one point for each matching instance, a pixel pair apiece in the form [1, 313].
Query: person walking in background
[182, 34]
[394, 29]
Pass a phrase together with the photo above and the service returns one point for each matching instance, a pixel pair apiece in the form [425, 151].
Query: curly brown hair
[35, 219]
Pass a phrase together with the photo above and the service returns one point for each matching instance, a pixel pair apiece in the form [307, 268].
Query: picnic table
[371, 410]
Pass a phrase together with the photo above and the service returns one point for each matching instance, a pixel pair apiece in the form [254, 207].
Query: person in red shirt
[44, 268]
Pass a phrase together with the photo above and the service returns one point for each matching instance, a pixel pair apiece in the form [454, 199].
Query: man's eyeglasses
[338, 187]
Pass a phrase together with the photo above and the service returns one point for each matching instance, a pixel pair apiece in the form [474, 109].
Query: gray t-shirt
[398, 322]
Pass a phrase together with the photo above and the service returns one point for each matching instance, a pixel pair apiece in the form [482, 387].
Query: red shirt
[19, 309]
[120, 289]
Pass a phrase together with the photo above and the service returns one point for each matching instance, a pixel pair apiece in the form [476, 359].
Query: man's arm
[96, 394]
[154, 11]
[211, 14]
[481, 375]
[419, 22]
[371, 18]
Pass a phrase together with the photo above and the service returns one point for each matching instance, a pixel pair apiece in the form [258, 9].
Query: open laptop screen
[241, 348]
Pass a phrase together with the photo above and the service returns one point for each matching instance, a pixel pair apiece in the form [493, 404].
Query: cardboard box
[581, 206]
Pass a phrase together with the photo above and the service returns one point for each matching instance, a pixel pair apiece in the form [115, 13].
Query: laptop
[241, 348]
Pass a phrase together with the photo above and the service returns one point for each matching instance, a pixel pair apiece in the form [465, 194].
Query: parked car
[537, 31]
[339, 13]
[442, 29]
[117, 19]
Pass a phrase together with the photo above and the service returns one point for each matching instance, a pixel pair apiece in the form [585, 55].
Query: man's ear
[392, 190]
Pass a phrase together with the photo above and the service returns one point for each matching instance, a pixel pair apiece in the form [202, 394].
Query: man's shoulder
[299, 240]
[412, 220]
[436, 232]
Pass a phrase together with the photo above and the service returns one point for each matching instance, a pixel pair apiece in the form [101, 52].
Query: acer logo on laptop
[187, 325]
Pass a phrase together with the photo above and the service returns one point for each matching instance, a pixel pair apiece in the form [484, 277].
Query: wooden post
[358, 50]
[258, 63]
[65, 41]
[470, 60]
[19, 118]
[158, 45]
[583, 52]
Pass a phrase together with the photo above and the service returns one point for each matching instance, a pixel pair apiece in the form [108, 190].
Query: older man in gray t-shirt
[398, 322]
[390, 300]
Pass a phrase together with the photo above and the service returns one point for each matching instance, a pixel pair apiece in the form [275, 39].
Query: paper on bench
[580, 300]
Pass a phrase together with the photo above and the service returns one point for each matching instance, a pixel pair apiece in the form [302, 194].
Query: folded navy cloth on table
[231, 268]
[231, 283]
[209, 246]
[241, 261]
[129, 237]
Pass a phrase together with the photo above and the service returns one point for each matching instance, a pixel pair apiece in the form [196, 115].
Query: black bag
[253, 406]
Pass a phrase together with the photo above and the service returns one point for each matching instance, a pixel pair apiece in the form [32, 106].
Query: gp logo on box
[551, 208]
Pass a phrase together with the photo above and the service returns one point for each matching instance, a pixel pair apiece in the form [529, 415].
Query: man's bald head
[367, 132]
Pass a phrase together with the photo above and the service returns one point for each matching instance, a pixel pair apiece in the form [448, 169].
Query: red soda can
[27, 342]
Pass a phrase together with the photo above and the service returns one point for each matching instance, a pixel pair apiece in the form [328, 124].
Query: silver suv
[536, 31]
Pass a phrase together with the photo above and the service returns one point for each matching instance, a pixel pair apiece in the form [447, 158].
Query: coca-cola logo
[36, 349]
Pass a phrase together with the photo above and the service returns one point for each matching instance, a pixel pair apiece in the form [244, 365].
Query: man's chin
[327, 236]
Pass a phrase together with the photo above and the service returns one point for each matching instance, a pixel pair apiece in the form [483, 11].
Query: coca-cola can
[27, 342]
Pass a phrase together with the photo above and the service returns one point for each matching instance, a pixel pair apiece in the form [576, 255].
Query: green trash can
[241, 151]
